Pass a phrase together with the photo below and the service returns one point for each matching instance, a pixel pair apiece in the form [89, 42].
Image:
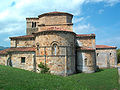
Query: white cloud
[7, 39]
[84, 28]
[78, 20]
[4, 14]
[114, 41]
[12, 18]
[108, 2]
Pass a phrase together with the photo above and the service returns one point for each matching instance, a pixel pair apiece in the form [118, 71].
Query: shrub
[44, 68]
[118, 55]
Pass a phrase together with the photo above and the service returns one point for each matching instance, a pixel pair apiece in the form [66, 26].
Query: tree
[44, 68]
[118, 55]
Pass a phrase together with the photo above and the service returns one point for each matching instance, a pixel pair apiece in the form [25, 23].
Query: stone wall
[68, 27]
[42, 23]
[23, 43]
[86, 42]
[86, 61]
[12, 43]
[29, 60]
[64, 59]
[106, 58]
[56, 19]
[3, 59]
[30, 29]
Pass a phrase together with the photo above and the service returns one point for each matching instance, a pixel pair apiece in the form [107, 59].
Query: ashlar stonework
[50, 39]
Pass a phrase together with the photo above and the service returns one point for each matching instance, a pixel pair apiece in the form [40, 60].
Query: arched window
[110, 54]
[33, 24]
[38, 49]
[97, 54]
[54, 49]
[85, 61]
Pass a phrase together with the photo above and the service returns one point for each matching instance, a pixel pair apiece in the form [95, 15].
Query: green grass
[18, 79]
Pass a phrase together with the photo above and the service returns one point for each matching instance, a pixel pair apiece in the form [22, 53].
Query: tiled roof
[33, 18]
[85, 48]
[25, 37]
[52, 30]
[54, 13]
[105, 46]
[85, 35]
[20, 49]
[4, 51]
[56, 28]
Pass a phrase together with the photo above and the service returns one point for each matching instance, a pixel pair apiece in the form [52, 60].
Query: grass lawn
[17, 79]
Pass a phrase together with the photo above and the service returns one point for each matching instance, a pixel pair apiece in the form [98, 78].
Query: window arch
[110, 54]
[33, 24]
[38, 48]
[55, 49]
[85, 61]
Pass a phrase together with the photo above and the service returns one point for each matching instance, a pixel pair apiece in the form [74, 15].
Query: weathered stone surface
[63, 63]
[86, 42]
[45, 22]
[23, 43]
[56, 45]
[3, 59]
[106, 58]
[86, 61]
[29, 60]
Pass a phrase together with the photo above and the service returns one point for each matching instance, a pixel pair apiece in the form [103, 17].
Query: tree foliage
[44, 68]
[118, 55]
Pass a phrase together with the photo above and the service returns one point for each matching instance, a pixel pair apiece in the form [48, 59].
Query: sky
[101, 17]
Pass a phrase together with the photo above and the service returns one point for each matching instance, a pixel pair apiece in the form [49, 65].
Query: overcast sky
[101, 17]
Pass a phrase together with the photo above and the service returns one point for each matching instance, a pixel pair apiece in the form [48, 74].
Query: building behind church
[50, 39]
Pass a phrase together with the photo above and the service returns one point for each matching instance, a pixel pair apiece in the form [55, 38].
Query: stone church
[50, 39]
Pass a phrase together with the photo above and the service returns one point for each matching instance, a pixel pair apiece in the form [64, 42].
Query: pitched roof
[85, 35]
[22, 37]
[54, 13]
[19, 49]
[54, 30]
[4, 51]
[85, 48]
[57, 28]
[33, 18]
[105, 46]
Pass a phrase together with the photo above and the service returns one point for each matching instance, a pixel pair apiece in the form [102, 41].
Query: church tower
[50, 21]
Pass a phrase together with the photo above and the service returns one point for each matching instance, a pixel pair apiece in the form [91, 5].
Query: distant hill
[2, 48]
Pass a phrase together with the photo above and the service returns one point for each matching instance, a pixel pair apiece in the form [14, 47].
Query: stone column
[65, 61]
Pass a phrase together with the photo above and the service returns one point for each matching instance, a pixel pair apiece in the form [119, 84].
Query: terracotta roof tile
[21, 49]
[33, 18]
[85, 48]
[84, 35]
[56, 28]
[53, 13]
[105, 46]
[52, 30]
[4, 51]
[20, 37]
